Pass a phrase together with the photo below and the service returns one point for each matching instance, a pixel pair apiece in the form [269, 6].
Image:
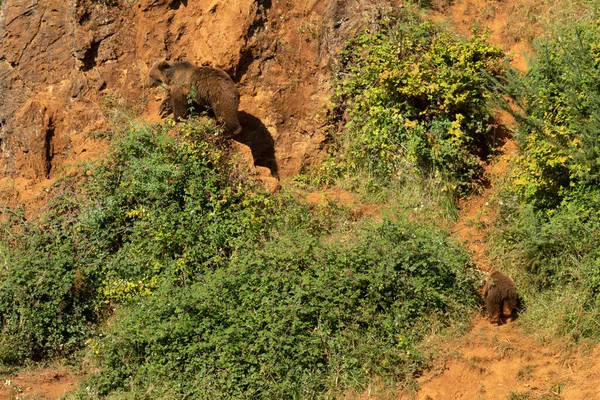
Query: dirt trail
[479, 212]
[503, 362]
[40, 384]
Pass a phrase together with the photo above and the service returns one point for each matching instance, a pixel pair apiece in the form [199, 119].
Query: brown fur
[500, 297]
[208, 87]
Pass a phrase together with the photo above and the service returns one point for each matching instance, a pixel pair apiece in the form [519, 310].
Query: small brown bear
[500, 297]
[206, 87]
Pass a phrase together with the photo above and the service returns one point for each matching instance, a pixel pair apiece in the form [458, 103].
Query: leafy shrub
[187, 282]
[47, 283]
[415, 97]
[157, 207]
[297, 318]
[558, 132]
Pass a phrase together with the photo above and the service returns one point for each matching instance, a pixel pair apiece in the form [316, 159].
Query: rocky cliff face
[61, 60]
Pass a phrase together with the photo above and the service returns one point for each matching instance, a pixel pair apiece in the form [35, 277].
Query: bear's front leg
[165, 108]
[179, 104]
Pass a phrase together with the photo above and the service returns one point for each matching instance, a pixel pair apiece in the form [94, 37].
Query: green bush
[185, 281]
[47, 283]
[416, 97]
[297, 318]
[157, 207]
[559, 100]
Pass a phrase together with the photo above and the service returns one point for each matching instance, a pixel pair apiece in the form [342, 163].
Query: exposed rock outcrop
[61, 60]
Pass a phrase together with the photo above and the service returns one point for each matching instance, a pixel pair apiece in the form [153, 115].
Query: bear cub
[500, 297]
[206, 87]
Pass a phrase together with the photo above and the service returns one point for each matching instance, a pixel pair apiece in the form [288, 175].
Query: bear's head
[159, 73]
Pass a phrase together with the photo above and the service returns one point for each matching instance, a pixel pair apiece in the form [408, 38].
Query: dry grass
[529, 20]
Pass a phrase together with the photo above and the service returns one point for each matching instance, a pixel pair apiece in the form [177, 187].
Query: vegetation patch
[560, 102]
[549, 229]
[294, 319]
[157, 207]
[413, 100]
[180, 279]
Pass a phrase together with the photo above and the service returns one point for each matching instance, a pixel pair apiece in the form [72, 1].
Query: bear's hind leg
[227, 115]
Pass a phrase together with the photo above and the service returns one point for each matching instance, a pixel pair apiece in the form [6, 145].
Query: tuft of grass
[526, 372]
[518, 396]
[532, 20]
[120, 113]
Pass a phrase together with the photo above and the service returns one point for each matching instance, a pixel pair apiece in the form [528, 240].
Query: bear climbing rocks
[204, 86]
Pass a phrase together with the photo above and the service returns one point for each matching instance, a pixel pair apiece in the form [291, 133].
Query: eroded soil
[503, 362]
[41, 384]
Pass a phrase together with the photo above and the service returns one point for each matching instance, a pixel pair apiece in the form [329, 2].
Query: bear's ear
[168, 70]
[485, 289]
[164, 65]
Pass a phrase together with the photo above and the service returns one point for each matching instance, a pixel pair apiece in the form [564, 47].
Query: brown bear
[500, 297]
[205, 87]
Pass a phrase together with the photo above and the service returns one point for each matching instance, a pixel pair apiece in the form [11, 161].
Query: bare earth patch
[41, 384]
[503, 362]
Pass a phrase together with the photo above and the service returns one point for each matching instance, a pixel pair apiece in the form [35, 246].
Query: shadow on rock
[178, 3]
[255, 135]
